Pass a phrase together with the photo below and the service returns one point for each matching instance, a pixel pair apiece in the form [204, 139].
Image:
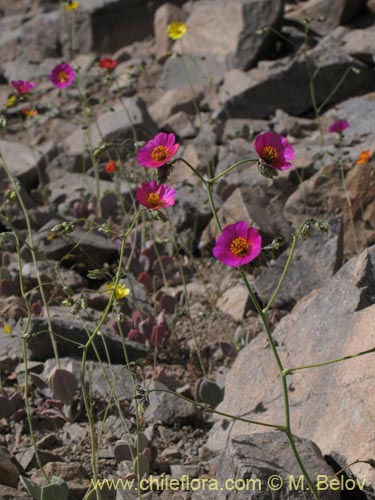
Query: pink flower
[154, 196]
[22, 86]
[339, 126]
[274, 150]
[238, 244]
[62, 75]
[158, 151]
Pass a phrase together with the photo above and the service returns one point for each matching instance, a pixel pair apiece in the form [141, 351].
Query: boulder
[227, 30]
[262, 90]
[335, 321]
[22, 161]
[164, 15]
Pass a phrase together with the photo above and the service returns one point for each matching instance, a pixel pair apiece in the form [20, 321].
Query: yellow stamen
[62, 76]
[154, 199]
[269, 154]
[240, 247]
[160, 153]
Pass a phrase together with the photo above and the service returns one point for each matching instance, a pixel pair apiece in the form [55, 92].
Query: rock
[258, 457]
[10, 350]
[171, 102]
[259, 207]
[9, 471]
[262, 90]
[127, 118]
[243, 128]
[167, 408]
[335, 321]
[181, 125]
[360, 44]
[315, 260]
[67, 472]
[333, 14]
[100, 376]
[165, 14]
[323, 194]
[237, 47]
[22, 161]
[40, 348]
[178, 471]
[129, 20]
[92, 248]
[234, 301]
[13, 494]
[28, 461]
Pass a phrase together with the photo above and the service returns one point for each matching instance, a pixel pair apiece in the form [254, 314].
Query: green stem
[33, 256]
[283, 275]
[288, 371]
[229, 169]
[193, 169]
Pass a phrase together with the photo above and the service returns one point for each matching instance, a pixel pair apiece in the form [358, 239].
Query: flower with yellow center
[160, 153]
[120, 291]
[154, 200]
[364, 157]
[269, 154]
[71, 6]
[240, 247]
[176, 30]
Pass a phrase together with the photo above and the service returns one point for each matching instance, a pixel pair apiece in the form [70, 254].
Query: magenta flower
[339, 126]
[62, 75]
[274, 150]
[22, 86]
[158, 151]
[238, 244]
[154, 196]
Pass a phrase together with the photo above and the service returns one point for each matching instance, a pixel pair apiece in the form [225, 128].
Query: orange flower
[110, 168]
[31, 113]
[364, 157]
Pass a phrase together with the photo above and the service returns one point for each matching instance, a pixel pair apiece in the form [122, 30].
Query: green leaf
[31, 487]
[56, 490]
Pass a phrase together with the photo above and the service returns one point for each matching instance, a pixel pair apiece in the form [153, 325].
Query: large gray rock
[315, 260]
[89, 247]
[329, 405]
[65, 329]
[332, 13]
[262, 90]
[22, 161]
[127, 120]
[255, 458]
[227, 30]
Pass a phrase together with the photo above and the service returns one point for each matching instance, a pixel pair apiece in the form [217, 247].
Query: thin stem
[229, 169]
[33, 256]
[193, 169]
[283, 275]
[217, 412]
[288, 371]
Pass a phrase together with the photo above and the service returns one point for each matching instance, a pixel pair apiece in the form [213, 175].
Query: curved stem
[283, 275]
[229, 169]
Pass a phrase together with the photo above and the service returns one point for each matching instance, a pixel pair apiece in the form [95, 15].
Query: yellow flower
[364, 157]
[176, 30]
[11, 101]
[7, 329]
[120, 291]
[71, 6]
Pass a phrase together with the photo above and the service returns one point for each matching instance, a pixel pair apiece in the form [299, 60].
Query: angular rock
[335, 321]
[360, 44]
[259, 207]
[227, 30]
[129, 20]
[167, 408]
[234, 301]
[315, 260]
[22, 161]
[128, 117]
[181, 125]
[10, 350]
[9, 471]
[332, 13]
[13, 494]
[116, 375]
[40, 347]
[262, 90]
[171, 102]
[165, 14]
[92, 248]
[261, 456]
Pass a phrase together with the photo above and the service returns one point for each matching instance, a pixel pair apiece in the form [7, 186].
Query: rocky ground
[243, 67]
